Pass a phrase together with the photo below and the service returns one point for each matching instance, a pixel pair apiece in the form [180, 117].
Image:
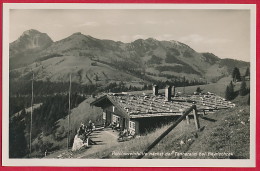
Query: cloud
[125, 38]
[195, 38]
[57, 25]
[88, 23]
[112, 22]
[151, 22]
[130, 23]
[169, 22]
[138, 36]
[165, 37]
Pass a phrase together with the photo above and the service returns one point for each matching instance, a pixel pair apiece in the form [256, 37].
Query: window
[116, 118]
[104, 115]
[113, 109]
[132, 127]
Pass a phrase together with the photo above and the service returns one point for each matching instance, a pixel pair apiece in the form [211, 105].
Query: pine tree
[236, 74]
[17, 140]
[247, 72]
[199, 90]
[243, 89]
[229, 94]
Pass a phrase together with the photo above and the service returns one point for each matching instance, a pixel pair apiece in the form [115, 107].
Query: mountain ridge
[89, 58]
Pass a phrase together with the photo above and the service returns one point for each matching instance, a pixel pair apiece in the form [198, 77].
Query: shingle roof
[136, 106]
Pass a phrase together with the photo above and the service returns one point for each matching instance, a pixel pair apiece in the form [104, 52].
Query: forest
[53, 97]
[44, 121]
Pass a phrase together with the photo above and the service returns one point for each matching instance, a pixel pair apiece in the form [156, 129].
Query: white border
[125, 162]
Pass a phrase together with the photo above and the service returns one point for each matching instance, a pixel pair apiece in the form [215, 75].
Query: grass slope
[82, 114]
[226, 131]
[58, 140]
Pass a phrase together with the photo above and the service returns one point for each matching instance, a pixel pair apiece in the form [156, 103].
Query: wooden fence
[184, 115]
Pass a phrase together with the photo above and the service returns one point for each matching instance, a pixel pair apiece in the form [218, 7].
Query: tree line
[230, 93]
[44, 122]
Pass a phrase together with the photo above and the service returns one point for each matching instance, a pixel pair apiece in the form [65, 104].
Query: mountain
[28, 45]
[31, 40]
[95, 61]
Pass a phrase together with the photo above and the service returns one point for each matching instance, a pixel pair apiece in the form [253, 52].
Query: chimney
[168, 93]
[155, 90]
[173, 91]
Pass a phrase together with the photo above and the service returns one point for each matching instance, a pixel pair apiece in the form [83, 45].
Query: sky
[226, 33]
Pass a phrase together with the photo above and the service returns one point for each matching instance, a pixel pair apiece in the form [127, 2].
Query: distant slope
[81, 114]
[25, 49]
[58, 139]
[88, 58]
[226, 131]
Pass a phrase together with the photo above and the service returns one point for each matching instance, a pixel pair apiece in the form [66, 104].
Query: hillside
[25, 49]
[95, 61]
[225, 131]
[223, 135]
[98, 66]
[222, 132]
[57, 140]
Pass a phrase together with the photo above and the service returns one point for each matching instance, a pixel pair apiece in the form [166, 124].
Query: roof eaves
[118, 106]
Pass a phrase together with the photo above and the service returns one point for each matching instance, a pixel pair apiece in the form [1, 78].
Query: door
[123, 123]
[108, 118]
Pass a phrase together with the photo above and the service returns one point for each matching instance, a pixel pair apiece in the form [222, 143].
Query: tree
[247, 72]
[17, 140]
[236, 74]
[243, 89]
[199, 90]
[229, 94]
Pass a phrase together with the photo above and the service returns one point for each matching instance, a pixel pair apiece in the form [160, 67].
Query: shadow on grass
[208, 119]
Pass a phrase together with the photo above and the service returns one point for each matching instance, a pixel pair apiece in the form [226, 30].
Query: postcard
[144, 85]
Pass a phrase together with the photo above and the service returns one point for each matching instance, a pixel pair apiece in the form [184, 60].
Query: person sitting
[123, 134]
[117, 127]
[113, 126]
[81, 131]
[90, 126]
[93, 126]
[78, 142]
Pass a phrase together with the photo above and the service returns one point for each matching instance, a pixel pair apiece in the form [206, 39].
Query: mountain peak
[31, 40]
[175, 42]
[31, 32]
[77, 33]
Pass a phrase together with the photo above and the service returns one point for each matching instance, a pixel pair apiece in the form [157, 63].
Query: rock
[77, 144]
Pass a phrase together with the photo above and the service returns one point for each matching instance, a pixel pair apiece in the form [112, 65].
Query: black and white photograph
[103, 84]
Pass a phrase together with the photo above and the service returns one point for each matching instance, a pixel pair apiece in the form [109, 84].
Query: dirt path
[104, 139]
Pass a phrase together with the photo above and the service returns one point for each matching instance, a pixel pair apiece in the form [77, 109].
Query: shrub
[155, 60]
[243, 89]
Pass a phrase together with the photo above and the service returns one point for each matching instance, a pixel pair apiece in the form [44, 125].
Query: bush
[229, 94]
[155, 60]
[243, 89]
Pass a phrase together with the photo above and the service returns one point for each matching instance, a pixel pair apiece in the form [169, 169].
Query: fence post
[158, 139]
[196, 119]
[188, 119]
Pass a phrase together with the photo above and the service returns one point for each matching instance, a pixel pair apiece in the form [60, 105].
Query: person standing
[90, 125]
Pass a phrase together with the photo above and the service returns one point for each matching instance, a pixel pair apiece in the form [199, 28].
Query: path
[105, 139]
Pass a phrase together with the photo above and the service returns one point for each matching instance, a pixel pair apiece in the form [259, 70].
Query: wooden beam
[196, 119]
[157, 140]
[188, 119]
